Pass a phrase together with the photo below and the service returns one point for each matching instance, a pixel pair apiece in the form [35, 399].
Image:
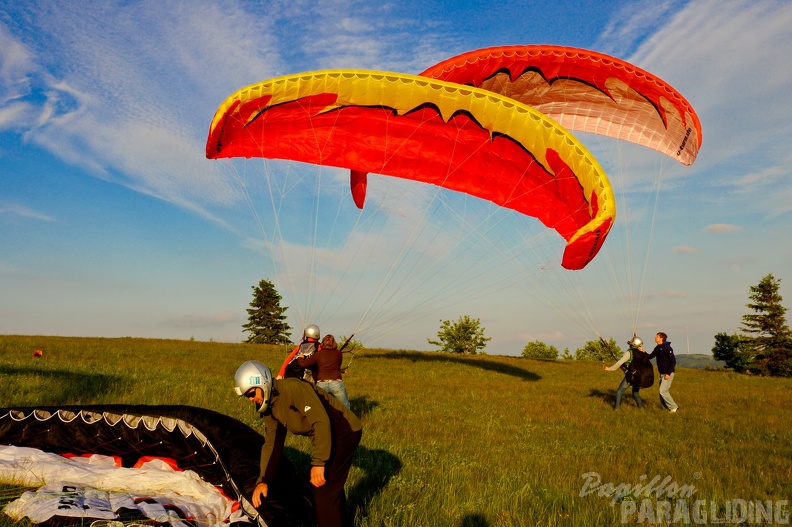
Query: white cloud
[771, 183]
[137, 112]
[23, 212]
[16, 63]
[632, 24]
[722, 227]
[684, 249]
[16, 66]
[729, 60]
[362, 35]
[669, 293]
[133, 105]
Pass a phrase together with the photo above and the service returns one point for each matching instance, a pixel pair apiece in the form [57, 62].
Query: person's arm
[271, 450]
[307, 362]
[621, 361]
[672, 358]
[274, 438]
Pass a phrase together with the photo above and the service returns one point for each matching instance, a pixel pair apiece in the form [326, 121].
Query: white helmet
[312, 332]
[253, 374]
[635, 342]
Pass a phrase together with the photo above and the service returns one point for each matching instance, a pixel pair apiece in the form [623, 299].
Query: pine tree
[768, 334]
[266, 319]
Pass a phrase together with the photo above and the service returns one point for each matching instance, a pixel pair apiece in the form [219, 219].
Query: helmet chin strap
[265, 407]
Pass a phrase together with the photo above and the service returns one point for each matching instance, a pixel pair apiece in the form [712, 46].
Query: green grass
[461, 441]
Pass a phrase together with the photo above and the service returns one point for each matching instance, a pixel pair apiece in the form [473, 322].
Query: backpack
[294, 370]
[639, 371]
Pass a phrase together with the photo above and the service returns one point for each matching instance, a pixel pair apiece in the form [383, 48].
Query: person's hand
[317, 476]
[605, 368]
[666, 376]
[258, 493]
[279, 377]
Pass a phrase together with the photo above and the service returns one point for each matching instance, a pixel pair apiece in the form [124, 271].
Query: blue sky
[112, 222]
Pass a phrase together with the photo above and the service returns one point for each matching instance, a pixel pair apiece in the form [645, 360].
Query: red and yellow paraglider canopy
[461, 138]
[584, 91]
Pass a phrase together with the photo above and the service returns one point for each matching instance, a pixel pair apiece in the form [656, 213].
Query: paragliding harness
[638, 370]
[293, 370]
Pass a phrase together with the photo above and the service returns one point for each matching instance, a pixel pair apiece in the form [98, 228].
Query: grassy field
[472, 441]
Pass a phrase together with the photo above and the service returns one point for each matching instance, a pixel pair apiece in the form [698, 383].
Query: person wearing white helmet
[307, 347]
[633, 362]
[292, 405]
[251, 376]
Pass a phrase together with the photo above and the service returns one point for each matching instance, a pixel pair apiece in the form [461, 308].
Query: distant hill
[698, 360]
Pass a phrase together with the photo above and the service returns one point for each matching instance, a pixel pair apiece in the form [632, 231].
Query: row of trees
[267, 325]
[764, 346]
[466, 335]
[599, 350]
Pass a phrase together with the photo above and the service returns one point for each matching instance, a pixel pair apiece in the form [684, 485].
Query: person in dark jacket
[666, 363]
[326, 363]
[631, 375]
[296, 406]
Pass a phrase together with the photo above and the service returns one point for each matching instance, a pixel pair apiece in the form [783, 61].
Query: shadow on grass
[362, 406]
[378, 467]
[608, 398]
[66, 387]
[484, 364]
[474, 520]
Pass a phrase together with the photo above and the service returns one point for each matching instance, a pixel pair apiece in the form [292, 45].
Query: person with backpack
[291, 405]
[638, 371]
[309, 345]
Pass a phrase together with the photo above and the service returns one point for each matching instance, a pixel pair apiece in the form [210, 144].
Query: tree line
[763, 346]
